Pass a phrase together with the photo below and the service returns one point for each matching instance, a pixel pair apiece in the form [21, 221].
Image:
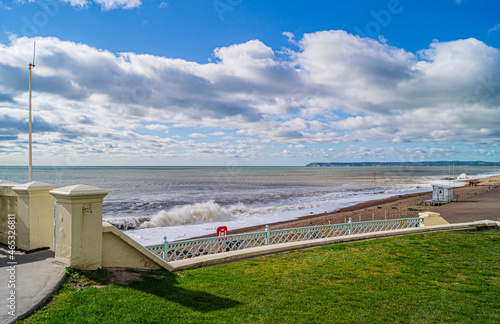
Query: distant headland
[424, 163]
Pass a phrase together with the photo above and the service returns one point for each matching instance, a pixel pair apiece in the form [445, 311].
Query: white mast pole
[30, 66]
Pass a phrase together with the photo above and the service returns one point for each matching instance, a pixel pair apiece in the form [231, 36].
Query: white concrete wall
[120, 251]
[432, 219]
[8, 205]
[84, 242]
[35, 216]
[78, 233]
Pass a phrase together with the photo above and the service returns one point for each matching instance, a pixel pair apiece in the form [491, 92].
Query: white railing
[173, 251]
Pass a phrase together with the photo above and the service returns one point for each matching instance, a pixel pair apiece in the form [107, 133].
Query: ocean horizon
[183, 202]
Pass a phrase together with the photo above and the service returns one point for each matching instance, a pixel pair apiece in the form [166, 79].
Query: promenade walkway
[480, 207]
[35, 276]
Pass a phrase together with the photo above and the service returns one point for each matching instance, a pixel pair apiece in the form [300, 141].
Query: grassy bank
[438, 277]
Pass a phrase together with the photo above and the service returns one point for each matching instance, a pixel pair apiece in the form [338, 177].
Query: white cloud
[494, 29]
[157, 127]
[105, 4]
[197, 135]
[336, 88]
[78, 3]
[291, 37]
[114, 4]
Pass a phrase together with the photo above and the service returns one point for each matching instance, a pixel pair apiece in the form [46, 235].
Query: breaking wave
[191, 214]
[210, 211]
[127, 223]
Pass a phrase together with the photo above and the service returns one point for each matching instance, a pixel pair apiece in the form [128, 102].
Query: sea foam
[127, 223]
[205, 212]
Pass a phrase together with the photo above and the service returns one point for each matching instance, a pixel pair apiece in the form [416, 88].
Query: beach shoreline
[397, 201]
[200, 219]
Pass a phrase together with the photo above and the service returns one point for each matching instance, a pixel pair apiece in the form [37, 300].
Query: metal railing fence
[404, 216]
[174, 251]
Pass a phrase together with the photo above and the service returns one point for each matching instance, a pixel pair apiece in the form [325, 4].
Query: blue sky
[240, 82]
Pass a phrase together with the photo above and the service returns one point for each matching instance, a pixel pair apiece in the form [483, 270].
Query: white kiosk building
[442, 194]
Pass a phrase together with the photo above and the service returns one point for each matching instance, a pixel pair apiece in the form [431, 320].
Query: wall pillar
[78, 231]
[35, 216]
[432, 219]
[8, 205]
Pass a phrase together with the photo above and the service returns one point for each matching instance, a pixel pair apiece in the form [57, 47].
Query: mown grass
[449, 277]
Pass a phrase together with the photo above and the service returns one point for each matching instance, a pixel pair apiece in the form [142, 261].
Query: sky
[249, 82]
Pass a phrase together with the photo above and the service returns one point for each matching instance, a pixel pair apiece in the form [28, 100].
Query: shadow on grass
[169, 289]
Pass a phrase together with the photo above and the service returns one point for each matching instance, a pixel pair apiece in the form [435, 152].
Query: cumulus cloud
[157, 127]
[113, 4]
[78, 3]
[333, 88]
[105, 4]
[197, 135]
[340, 60]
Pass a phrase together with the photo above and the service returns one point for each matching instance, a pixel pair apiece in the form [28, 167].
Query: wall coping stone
[79, 191]
[34, 186]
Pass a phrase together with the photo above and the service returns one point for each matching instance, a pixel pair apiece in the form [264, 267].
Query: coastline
[364, 207]
[397, 204]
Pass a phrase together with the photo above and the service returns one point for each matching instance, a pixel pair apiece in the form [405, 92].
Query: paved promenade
[35, 276]
[481, 207]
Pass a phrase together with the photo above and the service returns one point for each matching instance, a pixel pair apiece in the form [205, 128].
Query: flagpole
[30, 144]
[30, 66]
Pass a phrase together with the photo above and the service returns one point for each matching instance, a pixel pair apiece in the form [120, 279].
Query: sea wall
[119, 250]
[26, 215]
[68, 220]
[8, 206]
[84, 242]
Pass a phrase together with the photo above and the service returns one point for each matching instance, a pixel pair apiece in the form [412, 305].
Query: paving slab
[480, 207]
[27, 281]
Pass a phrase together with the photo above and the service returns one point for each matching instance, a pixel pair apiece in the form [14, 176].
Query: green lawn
[449, 277]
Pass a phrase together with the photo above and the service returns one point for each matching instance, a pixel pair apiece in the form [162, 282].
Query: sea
[150, 203]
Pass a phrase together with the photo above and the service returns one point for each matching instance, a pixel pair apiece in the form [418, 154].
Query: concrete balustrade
[78, 233]
[84, 242]
[35, 216]
[432, 219]
[120, 251]
[8, 206]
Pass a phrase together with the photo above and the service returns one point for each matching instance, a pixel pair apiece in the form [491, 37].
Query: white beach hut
[442, 194]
